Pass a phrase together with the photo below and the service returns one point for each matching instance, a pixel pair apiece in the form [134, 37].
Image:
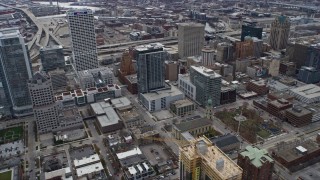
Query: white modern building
[156, 101]
[88, 166]
[186, 86]
[309, 93]
[46, 111]
[50, 117]
[81, 25]
[97, 77]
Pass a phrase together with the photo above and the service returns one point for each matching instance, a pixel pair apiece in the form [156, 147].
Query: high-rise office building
[279, 34]
[81, 25]
[250, 29]
[151, 67]
[45, 110]
[256, 164]
[207, 83]
[190, 39]
[202, 160]
[52, 58]
[208, 56]
[15, 71]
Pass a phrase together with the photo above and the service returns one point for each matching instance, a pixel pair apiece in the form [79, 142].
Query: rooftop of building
[224, 140]
[308, 91]
[51, 47]
[132, 78]
[9, 33]
[299, 111]
[126, 154]
[39, 77]
[89, 169]
[193, 124]
[257, 156]
[279, 103]
[289, 152]
[147, 47]
[212, 157]
[127, 115]
[86, 160]
[191, 24]
[206, 71]
[314, 108]
[259, 82]
[173, 91]
[182, 103]
[106, 115]
[75, 12]
[121, 103]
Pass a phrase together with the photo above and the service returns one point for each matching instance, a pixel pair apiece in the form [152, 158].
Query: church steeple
[209, 108]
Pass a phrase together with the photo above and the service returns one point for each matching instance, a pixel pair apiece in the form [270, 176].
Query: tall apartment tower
[280, 29]
[45, 110]
[150, 67]
[15, 71]
[207, 83]
[81, 25]
[190, 39]
[202, 160]
[256, 164]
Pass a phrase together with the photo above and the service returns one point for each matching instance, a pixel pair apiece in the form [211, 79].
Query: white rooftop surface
[139, 167]
[132, 170]
[123, 155]
[308, 91]
[149, 46]
[91, 159]
[301, 149]
[121, 102]
[146, 166]
[163, 93]
[206, 72]
[89, 169]
[59, 172]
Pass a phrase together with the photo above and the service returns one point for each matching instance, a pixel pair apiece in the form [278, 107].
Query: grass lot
[263, 133]
[249, 128]
[11, 134]
[6, 175]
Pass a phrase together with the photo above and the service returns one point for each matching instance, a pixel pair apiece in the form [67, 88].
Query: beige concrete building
[182, 107]
[279, 34]
[195, 128]
[202, 160]
[190, 39]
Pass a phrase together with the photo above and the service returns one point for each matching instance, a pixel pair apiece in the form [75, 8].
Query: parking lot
[309, 173]
[154, 153]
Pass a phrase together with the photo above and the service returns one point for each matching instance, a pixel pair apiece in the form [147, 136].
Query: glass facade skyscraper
[151, 67]
[15, 71]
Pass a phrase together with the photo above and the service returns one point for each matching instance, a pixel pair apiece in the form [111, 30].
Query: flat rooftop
[192, 24]
[122, 102]
[289, 152]
[173, 91]
[211, 156]
[105, 113]
[308, 91]
[206, 71]
[186, 126]
[299, 111]
[183, 103]
[97, 167]
[133, 152]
